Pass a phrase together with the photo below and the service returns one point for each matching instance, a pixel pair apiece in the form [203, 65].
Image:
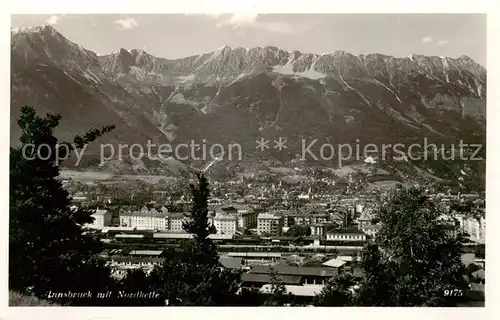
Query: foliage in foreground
[192, 274]
[18, 300]
[416, 257]
[48, 250]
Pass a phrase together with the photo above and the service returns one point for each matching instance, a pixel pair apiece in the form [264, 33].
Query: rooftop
[184, 235]
[308, 213]
[373, 226]
[225, 217]
[335, 263]
[295, 271]
[266, 278]
[231, 262]
[178, 215]
[254, 254]
[479, 274]
[268, 216]
[156, 214]
[100, 212]
[137, 259]
[146, 252]
[346, 258]
[346, 231]
[135, 236]
[301, 291]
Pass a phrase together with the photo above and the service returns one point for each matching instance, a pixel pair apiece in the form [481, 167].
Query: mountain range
[239, 95]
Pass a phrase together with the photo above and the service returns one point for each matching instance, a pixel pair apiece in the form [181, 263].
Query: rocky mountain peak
[246, 91]
[44, 42]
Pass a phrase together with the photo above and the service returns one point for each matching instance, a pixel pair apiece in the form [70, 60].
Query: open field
[109, 178]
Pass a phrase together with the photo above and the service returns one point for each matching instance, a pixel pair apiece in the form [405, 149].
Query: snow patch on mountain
[445, 67]
[479, 88]
[91, 76]
[241, 76]
[394, 93]
[353, 89]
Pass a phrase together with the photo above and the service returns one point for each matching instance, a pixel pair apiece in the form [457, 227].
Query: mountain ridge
[243, 94]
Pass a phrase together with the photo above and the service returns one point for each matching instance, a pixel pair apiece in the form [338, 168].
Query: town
[303, 232]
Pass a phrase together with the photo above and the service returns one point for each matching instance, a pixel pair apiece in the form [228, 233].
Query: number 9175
[453, 293]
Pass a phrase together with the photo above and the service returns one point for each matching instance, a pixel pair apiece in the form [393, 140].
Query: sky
[180, 35]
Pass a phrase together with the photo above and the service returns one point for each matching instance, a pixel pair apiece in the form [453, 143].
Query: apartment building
[102, 218]
[248, 219]
[225, 224]
[268, 223]
[176, 220]
[145, 219]
[304, 218]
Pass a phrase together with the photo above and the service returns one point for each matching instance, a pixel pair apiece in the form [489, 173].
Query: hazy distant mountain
[240, 95]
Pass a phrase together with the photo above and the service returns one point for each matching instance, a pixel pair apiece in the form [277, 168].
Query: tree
[376, 286]
[337, 292]
[471, 208]
[18, 300]
[278, 295]
[193, 275]
[418, 254]
[48, 249]
[298, 231]
[198, 220]
[347, 218]
[137, 280]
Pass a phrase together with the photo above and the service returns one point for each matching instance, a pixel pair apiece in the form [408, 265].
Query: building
[120, 264]
[232, 263]
[225, 224]
[371, 229]
[349, 259]
[363, 221]
[318, 229]
[305, 218]
[260, 275]
[269, 224]
[256, 257]
[334, 263]
[475, 228]
[346, 235]
[79, 198]
[257, 280]
[468, 258]
[175, 221]
[247, 218]
[102, 218]
[145, 219]
[183, 205]
[359, 208]
[302, 294]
